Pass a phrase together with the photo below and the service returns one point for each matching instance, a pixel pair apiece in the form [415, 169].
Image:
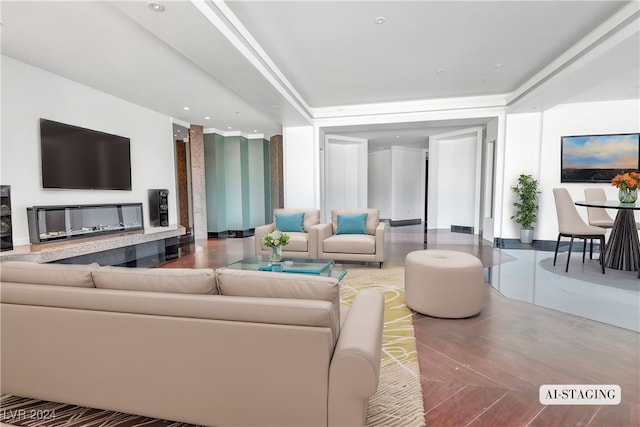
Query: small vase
[628, 195]
[276, 254]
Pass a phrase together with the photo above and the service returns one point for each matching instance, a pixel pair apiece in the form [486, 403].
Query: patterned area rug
[397, 403]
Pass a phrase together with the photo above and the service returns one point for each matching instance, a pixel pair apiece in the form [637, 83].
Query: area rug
[397, 403]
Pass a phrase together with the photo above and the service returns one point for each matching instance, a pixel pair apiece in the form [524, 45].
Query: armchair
[304, 240]
[352, 235]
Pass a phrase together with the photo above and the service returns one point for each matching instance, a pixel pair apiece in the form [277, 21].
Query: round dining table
[622, 251]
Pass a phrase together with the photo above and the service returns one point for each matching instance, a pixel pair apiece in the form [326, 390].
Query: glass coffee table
[318, 267]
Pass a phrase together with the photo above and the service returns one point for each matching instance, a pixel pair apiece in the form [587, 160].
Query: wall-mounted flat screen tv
[598, 158]
[79, 158]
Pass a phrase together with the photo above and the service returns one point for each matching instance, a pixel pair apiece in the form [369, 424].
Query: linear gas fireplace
[61, 223]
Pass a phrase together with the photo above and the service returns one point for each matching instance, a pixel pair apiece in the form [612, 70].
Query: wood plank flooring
[486, 370]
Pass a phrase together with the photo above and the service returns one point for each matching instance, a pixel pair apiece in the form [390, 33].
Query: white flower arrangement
[275, 238]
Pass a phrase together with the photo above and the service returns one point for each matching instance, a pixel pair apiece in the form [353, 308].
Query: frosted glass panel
[233, 181]
[256, 183]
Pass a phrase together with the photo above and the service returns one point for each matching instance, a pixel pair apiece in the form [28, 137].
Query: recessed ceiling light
[229, 127]
[186, 108]
[397, 136]
[498, 65]
[178, 130]
[440, 70]
[255, 130]
[207, 117]
[155, 6]
[380, 20]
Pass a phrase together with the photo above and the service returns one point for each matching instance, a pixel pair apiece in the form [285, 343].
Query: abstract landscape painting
[598, 158]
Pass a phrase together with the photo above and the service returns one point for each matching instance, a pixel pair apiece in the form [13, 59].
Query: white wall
[346, 163]
[28, 94]
[300, 163]
[522, 155]
[379, 190]
[407, 183]
[533, 145]
[454, 179]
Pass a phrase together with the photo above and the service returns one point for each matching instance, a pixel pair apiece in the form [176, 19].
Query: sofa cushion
[350, 244]
[290, 222]
[280, 285]
[298, 242]
[48, 274]
[174, 280]
[352, 224]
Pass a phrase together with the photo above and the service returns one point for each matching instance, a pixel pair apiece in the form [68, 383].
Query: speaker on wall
[159, 207]
[6, 233]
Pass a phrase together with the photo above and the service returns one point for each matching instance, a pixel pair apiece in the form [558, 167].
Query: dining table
[622, 251]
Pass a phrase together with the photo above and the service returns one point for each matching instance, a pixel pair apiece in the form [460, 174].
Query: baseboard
[231, 234]
[462, 229]
[402, 222]
[543, 245]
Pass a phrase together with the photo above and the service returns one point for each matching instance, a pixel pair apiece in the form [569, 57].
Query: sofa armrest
[313, 241]
[259, 233]
[380, 242]
[324, 231]
[355, 367]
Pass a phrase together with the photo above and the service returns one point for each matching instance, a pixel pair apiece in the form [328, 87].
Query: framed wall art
[598, 158]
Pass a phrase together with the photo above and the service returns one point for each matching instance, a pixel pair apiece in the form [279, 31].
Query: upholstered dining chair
[597, 216]
[571, 224]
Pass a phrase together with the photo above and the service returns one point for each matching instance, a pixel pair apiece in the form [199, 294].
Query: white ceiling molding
[430, 105]
[623, 22]
[226, 22]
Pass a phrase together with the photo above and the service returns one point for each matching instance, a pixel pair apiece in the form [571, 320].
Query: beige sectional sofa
[223, 348]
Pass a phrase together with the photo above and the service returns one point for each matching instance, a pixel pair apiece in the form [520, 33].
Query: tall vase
[628, 195]
[276, 254]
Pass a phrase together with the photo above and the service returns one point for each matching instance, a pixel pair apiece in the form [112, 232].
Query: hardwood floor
[486, 370]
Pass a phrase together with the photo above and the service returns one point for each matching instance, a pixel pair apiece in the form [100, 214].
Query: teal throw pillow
[352, 224]
[290, 222]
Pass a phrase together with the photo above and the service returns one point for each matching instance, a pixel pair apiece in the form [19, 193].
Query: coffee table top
[318, 267]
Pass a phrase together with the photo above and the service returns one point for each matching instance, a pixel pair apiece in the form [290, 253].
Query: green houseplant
[526, 204]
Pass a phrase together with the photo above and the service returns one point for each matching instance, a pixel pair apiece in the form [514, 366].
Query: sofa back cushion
[48, 274]
[311, 216]
[373, 218]
[249, 283]
[173, 280]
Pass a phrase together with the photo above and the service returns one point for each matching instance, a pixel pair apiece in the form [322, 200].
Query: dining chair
[597, 216]
[571, 224]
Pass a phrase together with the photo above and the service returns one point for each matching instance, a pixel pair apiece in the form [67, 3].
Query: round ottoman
[443, 283]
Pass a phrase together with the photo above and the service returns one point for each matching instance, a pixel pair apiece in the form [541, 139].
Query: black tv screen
[79, 158]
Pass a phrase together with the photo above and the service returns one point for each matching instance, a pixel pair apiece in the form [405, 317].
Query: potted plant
[526, 204]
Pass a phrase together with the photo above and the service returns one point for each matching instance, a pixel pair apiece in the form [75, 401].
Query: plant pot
[526, 236]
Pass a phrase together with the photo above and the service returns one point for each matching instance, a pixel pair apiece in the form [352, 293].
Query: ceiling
[255, 66]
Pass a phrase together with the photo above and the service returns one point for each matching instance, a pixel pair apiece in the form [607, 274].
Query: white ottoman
[443, 283]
